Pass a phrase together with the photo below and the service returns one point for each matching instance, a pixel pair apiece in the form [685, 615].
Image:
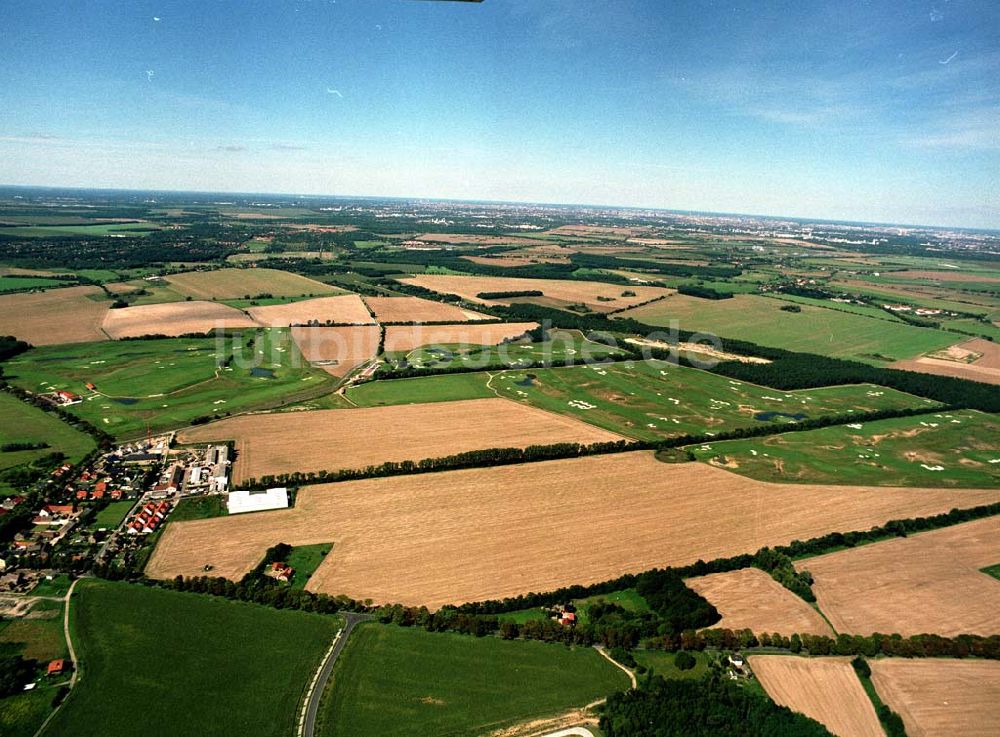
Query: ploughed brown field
[415, 309]
[941, 698]
[330, 440]
[927, 583]
[824, 689]
[401, 338]
[240, 283]
[173, 318]
[486, 533]
[337, 350]
[66, 315]
[555, 291]
[750, 599]
[344, 309]
[985, 369]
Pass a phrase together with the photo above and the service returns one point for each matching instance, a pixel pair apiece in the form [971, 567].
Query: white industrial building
[257, 501]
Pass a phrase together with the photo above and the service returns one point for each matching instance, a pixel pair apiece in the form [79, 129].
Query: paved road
[307, 726]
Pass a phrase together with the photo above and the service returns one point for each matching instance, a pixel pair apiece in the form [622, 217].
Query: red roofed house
[56, 667]
[81, 494]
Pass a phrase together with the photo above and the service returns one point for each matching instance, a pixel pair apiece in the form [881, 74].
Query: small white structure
[257, 501]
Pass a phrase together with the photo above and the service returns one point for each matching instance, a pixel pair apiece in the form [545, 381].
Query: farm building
[257, 501]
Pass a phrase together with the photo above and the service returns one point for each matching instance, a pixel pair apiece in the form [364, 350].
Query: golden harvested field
[245, 283]
[825, 689]
[486, 533]
[750, 599]
[929, 582]
[556, 291]
[344, 309]
[415, 309]
[407, 337]
[329, 440]
[337, 350]
[952, 276]
[65, 315]
[985, 369]
[941, 698]
[518, 259]
[173, 318]
[479, 240]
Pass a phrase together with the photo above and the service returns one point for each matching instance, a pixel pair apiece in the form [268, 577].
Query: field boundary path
[72, 656]
[310, 709]
[631, 675]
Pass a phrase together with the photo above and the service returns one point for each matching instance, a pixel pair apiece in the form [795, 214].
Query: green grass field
[49, 231]
[16, 283]
[198, 507]
[112, 515]
[58, 586]
[813, 330]
[167, 664]
[654, 399]
[445, 388]
[305, 559]
[956, 449]
[393, 681]
[167, 383]
[662, 663]
[22, 423]
[39, 636]
[21, 715]
[570, 344]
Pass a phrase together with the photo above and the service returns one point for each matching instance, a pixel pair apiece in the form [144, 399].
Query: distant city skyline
[850, 111]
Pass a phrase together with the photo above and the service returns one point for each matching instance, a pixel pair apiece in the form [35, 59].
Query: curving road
[307, 722]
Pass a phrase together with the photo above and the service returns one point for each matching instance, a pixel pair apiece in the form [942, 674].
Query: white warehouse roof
[257, 501]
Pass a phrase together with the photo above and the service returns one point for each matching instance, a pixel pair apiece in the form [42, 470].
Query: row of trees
[870, 646]
[796, 549]
[788, 370]
[468, 459]
[698, 290]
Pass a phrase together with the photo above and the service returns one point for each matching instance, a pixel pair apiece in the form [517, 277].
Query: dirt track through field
[929, 582]
[825, 689]
[750, 599]
[941, 698]
[65, 315]
[485, 533]
[329, 440]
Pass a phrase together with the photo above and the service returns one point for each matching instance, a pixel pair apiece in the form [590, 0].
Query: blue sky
[886, 110]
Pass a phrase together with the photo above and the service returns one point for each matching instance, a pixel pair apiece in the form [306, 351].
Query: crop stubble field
[406, 337]
[750, 599]
[416, 309]
[561, 291]
[329, 440]
[941, 698]
[173, 318]
[538, 524]
[347, 347]
[825, 689]
[344, 309]
[66, 315]
[928, 582]
[238, 283]
[985, 369]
